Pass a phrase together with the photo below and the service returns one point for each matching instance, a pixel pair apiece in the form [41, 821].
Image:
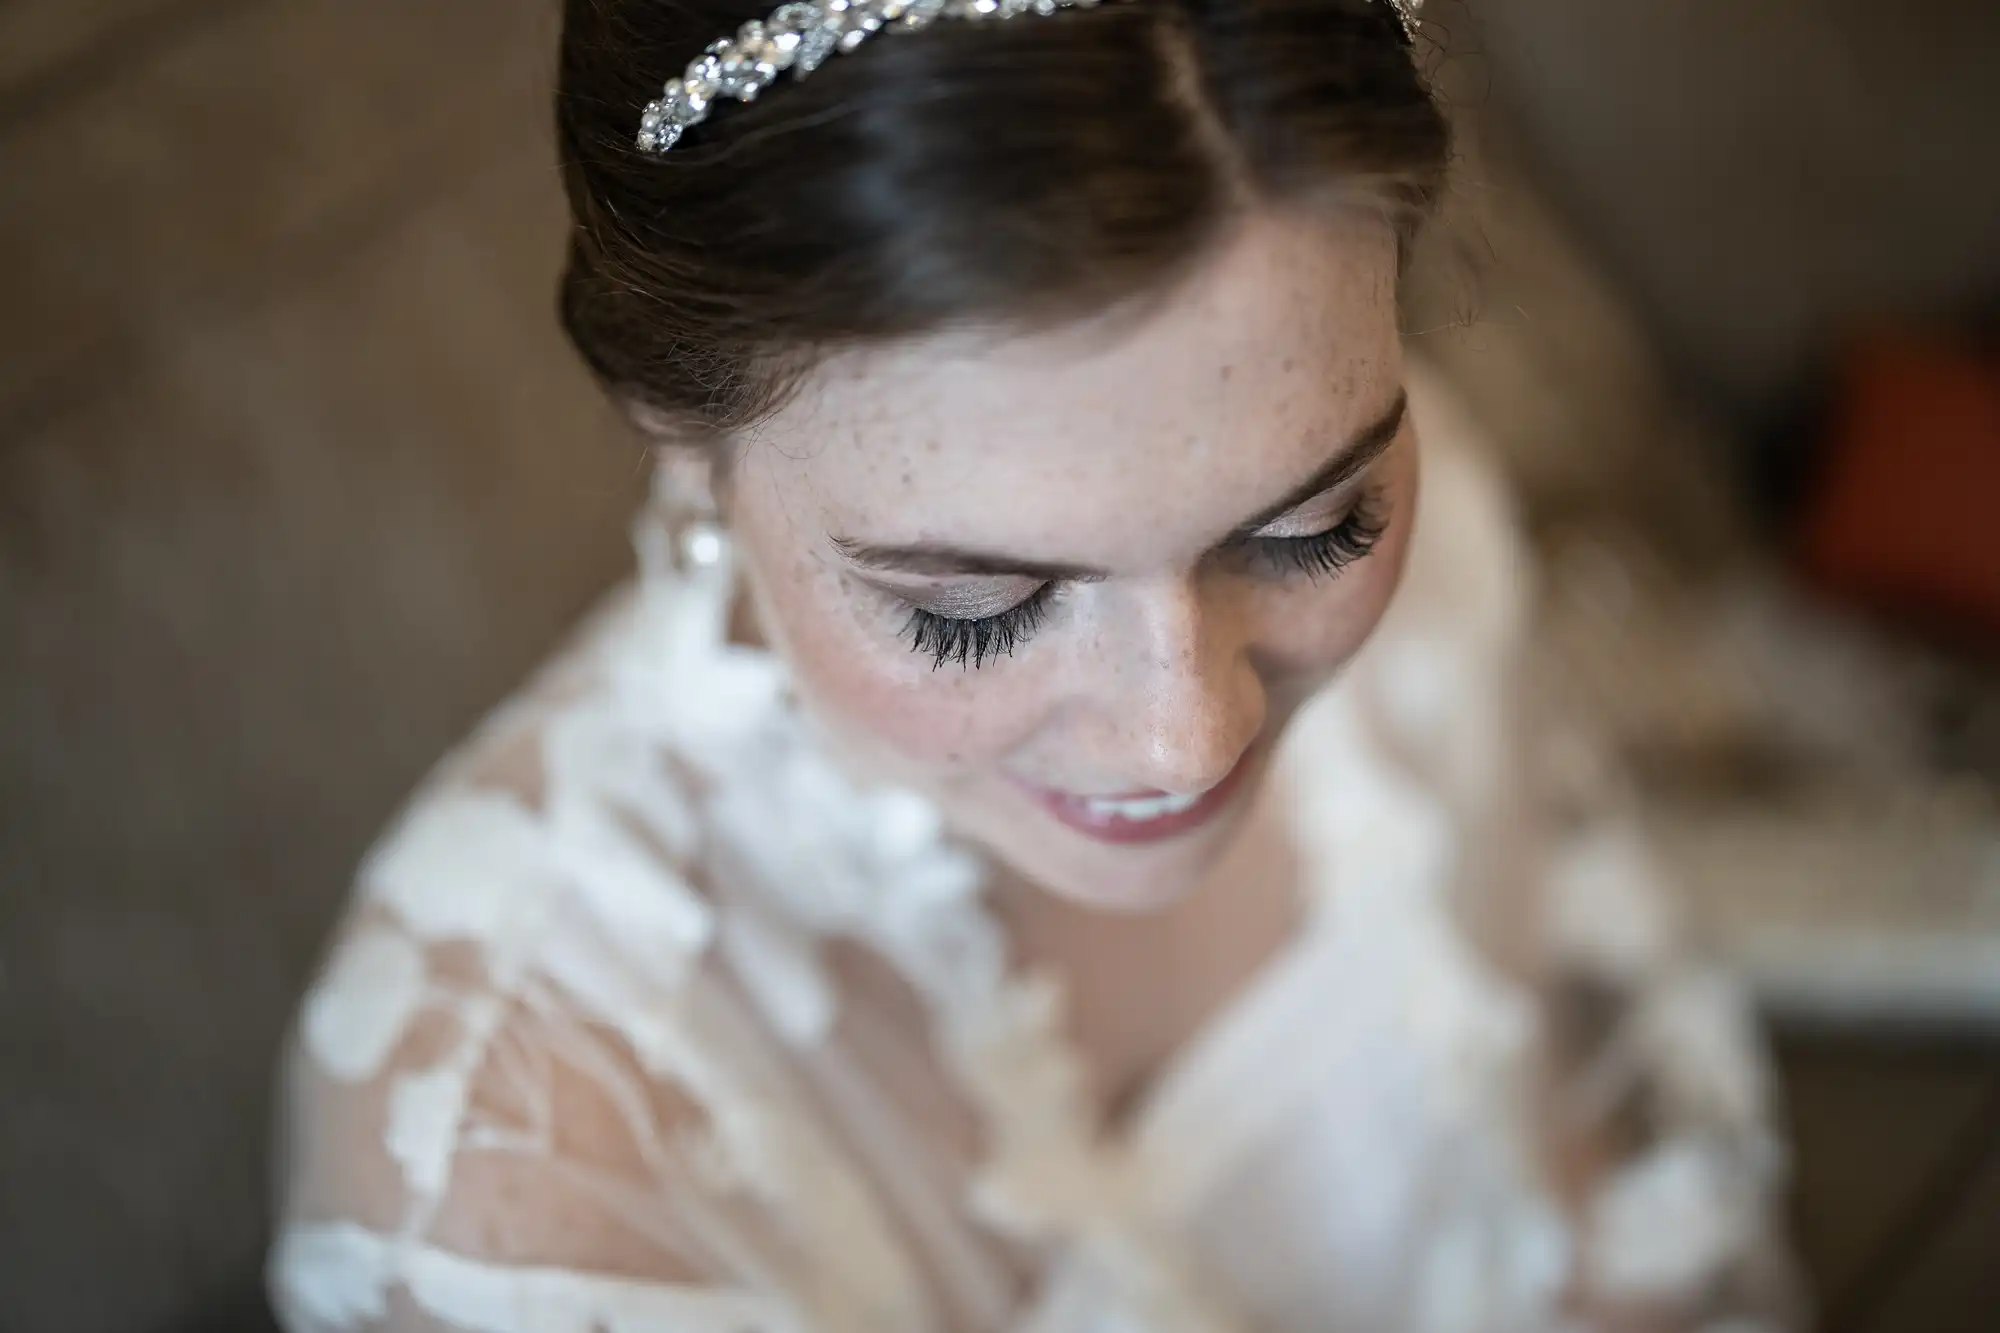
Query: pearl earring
[688, 535]
[701, 544]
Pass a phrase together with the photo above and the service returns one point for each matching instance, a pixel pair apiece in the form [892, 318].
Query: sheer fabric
[644, 1019]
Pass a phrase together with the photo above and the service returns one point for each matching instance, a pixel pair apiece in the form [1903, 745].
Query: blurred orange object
[1905, 516]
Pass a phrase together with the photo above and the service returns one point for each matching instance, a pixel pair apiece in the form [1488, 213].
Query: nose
[1200, 700]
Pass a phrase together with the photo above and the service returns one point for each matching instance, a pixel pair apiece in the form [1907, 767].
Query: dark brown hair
[1019, 173]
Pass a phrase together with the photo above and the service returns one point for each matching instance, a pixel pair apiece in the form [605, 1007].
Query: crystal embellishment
[745, 66]
[704, 76]
[815, 45]
[803, 35]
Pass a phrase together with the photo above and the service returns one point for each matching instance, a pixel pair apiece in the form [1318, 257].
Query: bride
[1053, 839]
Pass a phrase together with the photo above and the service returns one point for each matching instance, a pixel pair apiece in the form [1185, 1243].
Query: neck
[1140, 986]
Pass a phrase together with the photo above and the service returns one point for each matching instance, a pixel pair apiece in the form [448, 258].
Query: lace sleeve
[506, 1165]
[1660, 1110]
[525, 1097]
[1662, 1076]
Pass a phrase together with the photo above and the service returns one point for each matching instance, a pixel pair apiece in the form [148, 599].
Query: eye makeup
[1325, 554]
[973, 640]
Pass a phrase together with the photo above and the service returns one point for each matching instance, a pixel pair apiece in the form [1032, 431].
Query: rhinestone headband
[799, 37]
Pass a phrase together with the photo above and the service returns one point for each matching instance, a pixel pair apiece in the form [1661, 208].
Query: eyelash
[988, 638]
[977, 641]
[1326, 554]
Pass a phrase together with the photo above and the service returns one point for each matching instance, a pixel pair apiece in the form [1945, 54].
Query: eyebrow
[943, 559]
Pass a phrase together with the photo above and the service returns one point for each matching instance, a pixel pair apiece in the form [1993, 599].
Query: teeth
[1138, 811]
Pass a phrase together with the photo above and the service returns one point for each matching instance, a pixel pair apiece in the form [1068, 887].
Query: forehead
[1188, 415]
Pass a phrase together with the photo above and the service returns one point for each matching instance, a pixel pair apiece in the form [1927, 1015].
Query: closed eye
[1326, 554]
[974, 642]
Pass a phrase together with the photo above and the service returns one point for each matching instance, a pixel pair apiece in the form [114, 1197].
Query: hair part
[1019, 174]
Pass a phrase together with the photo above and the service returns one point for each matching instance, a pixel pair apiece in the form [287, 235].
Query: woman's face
[1073, 585]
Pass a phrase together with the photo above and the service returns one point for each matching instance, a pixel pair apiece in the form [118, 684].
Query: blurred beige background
[296, 479]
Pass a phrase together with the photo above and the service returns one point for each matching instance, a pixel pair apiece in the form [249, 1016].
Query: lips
[1140, 816]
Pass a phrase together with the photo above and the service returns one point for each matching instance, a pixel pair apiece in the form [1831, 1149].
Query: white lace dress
[645, 1020]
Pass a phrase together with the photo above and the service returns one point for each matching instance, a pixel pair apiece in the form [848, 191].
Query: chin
[1127, 894]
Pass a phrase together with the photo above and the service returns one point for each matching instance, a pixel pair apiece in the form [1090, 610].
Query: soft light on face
[1073, 584]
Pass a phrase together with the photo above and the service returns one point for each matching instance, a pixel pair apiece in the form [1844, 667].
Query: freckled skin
[1134, 445]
